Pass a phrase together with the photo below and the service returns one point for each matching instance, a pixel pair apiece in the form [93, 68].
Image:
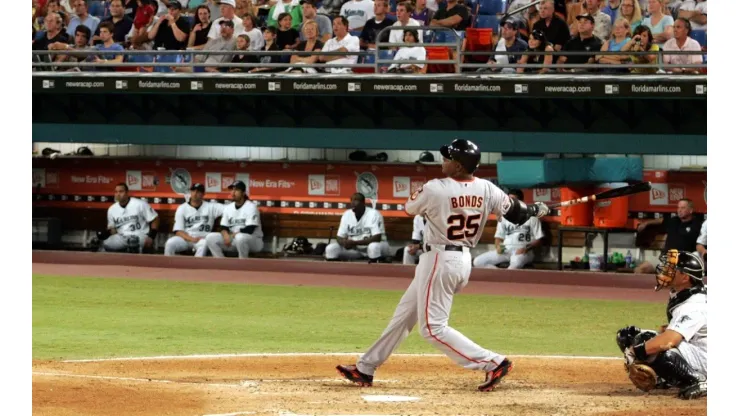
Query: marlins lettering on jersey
[132, 219]
[237, 218]
[197, 222]
[370, 224]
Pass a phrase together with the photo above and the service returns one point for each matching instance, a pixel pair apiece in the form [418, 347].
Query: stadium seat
[473, 4]
[478, 40]
[439, 53]
[699, 36]
[491, 7]
[485, 21]
[98, 8]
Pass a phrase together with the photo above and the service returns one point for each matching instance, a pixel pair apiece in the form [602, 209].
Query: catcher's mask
[682, 261]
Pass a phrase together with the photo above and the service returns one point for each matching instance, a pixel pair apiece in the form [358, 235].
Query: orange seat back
[439, 53]
[478, 40]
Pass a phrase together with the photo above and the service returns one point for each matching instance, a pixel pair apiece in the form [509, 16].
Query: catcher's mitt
[642, 376]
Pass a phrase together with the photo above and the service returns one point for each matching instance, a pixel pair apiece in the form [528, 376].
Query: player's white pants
[492, 258]
[242, 243]
[120, 242]
[427, 301]
[373, 251]
[178, 244]
[409, 258]
[696, 358]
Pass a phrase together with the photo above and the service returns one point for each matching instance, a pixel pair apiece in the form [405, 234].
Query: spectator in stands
[52, 6]
[660, 25]
[81, 43]
[555, 29]
[682, 42]
[106, 29]
[642, 41]
[214, 7]
[310, 44]
[602, 21]
[143, 23]
[536, 63]
[171, 30]
[357, 13]
[630, 10]
[509, 42]
[701, 242]
[403, 12]
[621, 34]
[53, 35]
[360, 234]
[270, 36]
[199, 34]
[682, 231]
[121, 23]
[227, 8]
[406, 53]
[454, 16]
[82, 17]
[287, 37]
[243, 8]
[612, 9]
[251, 29]
[369, 34]
[286, 6]
[242, 45]
[130, 8]
[585, 41]
[343, 41]
[420, 12]
[226, 42]
[696, 12]
[309, 14]
[331, 8]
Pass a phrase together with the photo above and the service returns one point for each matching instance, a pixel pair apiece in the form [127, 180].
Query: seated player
[519, 241]
[360, 234]
[241, 228]
[412, 252]
[701, 243]
[677, 356]
[132, 224]
[193, 221]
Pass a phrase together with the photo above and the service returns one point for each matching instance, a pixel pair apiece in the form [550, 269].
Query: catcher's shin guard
[675, 370]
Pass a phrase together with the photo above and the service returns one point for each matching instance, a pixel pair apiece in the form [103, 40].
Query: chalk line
[145, 380]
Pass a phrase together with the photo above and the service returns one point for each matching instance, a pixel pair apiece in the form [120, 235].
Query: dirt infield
[289, 385]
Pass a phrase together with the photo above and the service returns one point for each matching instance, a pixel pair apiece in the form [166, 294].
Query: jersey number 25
[461, 226]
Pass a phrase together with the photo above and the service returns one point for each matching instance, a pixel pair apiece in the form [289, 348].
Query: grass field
[89, 317]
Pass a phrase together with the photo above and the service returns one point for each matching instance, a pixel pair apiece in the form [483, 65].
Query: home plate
[388, 399]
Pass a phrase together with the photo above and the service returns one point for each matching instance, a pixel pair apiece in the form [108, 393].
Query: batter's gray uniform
[235, 219]
[371, 223]
[417, 235]
[131, 224]
[456, 212]
[196, 222]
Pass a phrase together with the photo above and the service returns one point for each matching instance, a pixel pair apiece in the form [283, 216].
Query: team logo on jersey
[367, 184]
[180, 181]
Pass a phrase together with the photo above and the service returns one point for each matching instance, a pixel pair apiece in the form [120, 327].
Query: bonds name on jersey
[134, 218]
[237, 218]
[519, 235]
[687, 315]
[457, 211]
[197, 222]
[371, 223]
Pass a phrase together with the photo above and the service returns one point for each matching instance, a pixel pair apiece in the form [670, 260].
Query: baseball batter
[456, 209]
[194, 220]
[412, 252]
[132, 223]
[241, 228]
[361, 234]
[678, 354]
[519, 241]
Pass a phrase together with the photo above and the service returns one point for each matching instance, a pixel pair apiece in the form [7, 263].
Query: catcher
[677, 356]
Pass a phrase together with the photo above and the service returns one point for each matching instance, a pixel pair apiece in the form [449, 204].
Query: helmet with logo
[682, 261]
[463, 151]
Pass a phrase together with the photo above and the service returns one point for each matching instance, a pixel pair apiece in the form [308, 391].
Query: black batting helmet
[463, 151]
[682, 261]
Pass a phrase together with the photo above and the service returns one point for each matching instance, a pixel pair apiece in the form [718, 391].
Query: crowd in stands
[248, 26]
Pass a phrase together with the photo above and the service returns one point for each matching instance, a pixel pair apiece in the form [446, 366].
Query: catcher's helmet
[463, 151]
[682, 261]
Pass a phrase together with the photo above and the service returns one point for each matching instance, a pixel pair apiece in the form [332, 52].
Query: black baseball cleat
[494, 376]
[694, 391]
[351, 373]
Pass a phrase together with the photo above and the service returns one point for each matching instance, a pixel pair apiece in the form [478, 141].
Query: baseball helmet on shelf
[682, 261]
[463, 151]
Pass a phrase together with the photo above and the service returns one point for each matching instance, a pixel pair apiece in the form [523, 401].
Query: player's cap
[175, 5]
[198, 187]
[587, 17]
[239, 185]
[463, 151]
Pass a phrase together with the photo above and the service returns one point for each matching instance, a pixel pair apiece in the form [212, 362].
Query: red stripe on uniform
[426, 313]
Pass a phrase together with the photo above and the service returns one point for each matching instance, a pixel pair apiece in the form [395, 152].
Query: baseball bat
[612, 193]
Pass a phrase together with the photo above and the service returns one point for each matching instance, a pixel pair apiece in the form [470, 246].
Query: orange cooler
[611, 213]
[579, 215]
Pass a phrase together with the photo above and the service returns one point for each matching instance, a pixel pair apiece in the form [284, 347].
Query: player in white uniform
[519, 241]
[132, 223]
[701, 243]
[456, 209]
[361, 234]
[241, 228]
[412, 252]
[678, 354]
[193, 221]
